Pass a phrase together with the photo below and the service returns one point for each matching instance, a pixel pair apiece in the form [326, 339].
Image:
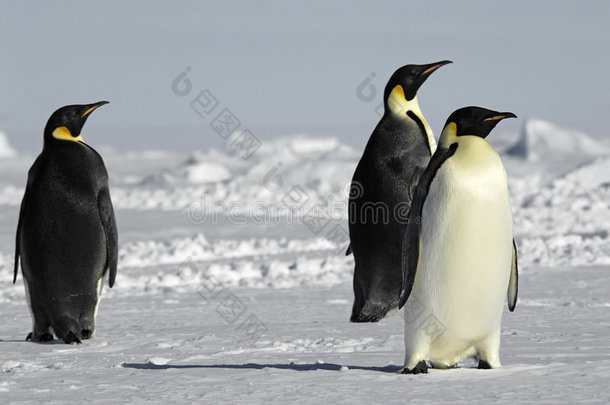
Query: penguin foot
[44, 337]
[86, 334]
[71, 338]
[483, 365]
[420, 368]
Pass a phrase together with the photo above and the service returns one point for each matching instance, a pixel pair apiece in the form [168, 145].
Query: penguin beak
[420, 78]
[493, 118]
[428, 69]
[91, 107]
[500, 116]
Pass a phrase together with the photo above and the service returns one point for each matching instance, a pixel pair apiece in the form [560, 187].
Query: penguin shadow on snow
[49, 342]
[256, 366]
[391, 369]
[15, 341]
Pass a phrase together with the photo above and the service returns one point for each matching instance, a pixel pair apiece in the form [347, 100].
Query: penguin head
[67, 122]
[474, 121]
[404, 83]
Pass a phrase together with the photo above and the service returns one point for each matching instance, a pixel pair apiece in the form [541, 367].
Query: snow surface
[223, 295]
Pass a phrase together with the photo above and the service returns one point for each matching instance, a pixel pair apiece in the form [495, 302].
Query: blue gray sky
[285, 68]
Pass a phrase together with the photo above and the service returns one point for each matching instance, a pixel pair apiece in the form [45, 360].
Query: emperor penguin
[381, 192]
[459, 255]
[66, 235]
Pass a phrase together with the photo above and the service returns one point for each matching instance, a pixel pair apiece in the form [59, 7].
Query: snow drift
[321, 167]
[561, 220]
[541, 140]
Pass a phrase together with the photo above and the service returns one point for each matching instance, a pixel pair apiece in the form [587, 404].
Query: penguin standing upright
[381, 192]
[66, 235]
[460, 259]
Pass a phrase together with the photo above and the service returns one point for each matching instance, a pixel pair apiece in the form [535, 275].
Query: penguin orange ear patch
[397, 99]
[399, 92]
[62, 133]
[65, 134]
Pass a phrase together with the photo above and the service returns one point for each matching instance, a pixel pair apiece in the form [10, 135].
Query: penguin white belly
[465, 259]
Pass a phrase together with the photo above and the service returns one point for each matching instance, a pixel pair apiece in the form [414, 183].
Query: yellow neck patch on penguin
[399, 105]
[63, 133]
[473, 151]
[449, 135]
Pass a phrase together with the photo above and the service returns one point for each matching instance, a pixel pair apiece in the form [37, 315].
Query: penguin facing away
[66, 235]
[459, 255]
[381, 192]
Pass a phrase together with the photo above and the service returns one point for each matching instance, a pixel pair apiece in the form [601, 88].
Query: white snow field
[225, 296]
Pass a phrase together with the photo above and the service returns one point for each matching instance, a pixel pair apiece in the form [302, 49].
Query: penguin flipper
[513, 283]
[411, 243]
[349, 250]
[17, 247]
[112, 241]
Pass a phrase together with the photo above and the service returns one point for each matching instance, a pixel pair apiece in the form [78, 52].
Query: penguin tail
[16, 269]
[17, 255]
[403, 299]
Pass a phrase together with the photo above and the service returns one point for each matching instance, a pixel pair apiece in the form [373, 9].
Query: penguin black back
[382, 187]
[66, 235]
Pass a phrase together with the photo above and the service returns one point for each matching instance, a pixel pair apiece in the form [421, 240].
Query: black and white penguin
[381, 192]
[460, 259]
[66, 236]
